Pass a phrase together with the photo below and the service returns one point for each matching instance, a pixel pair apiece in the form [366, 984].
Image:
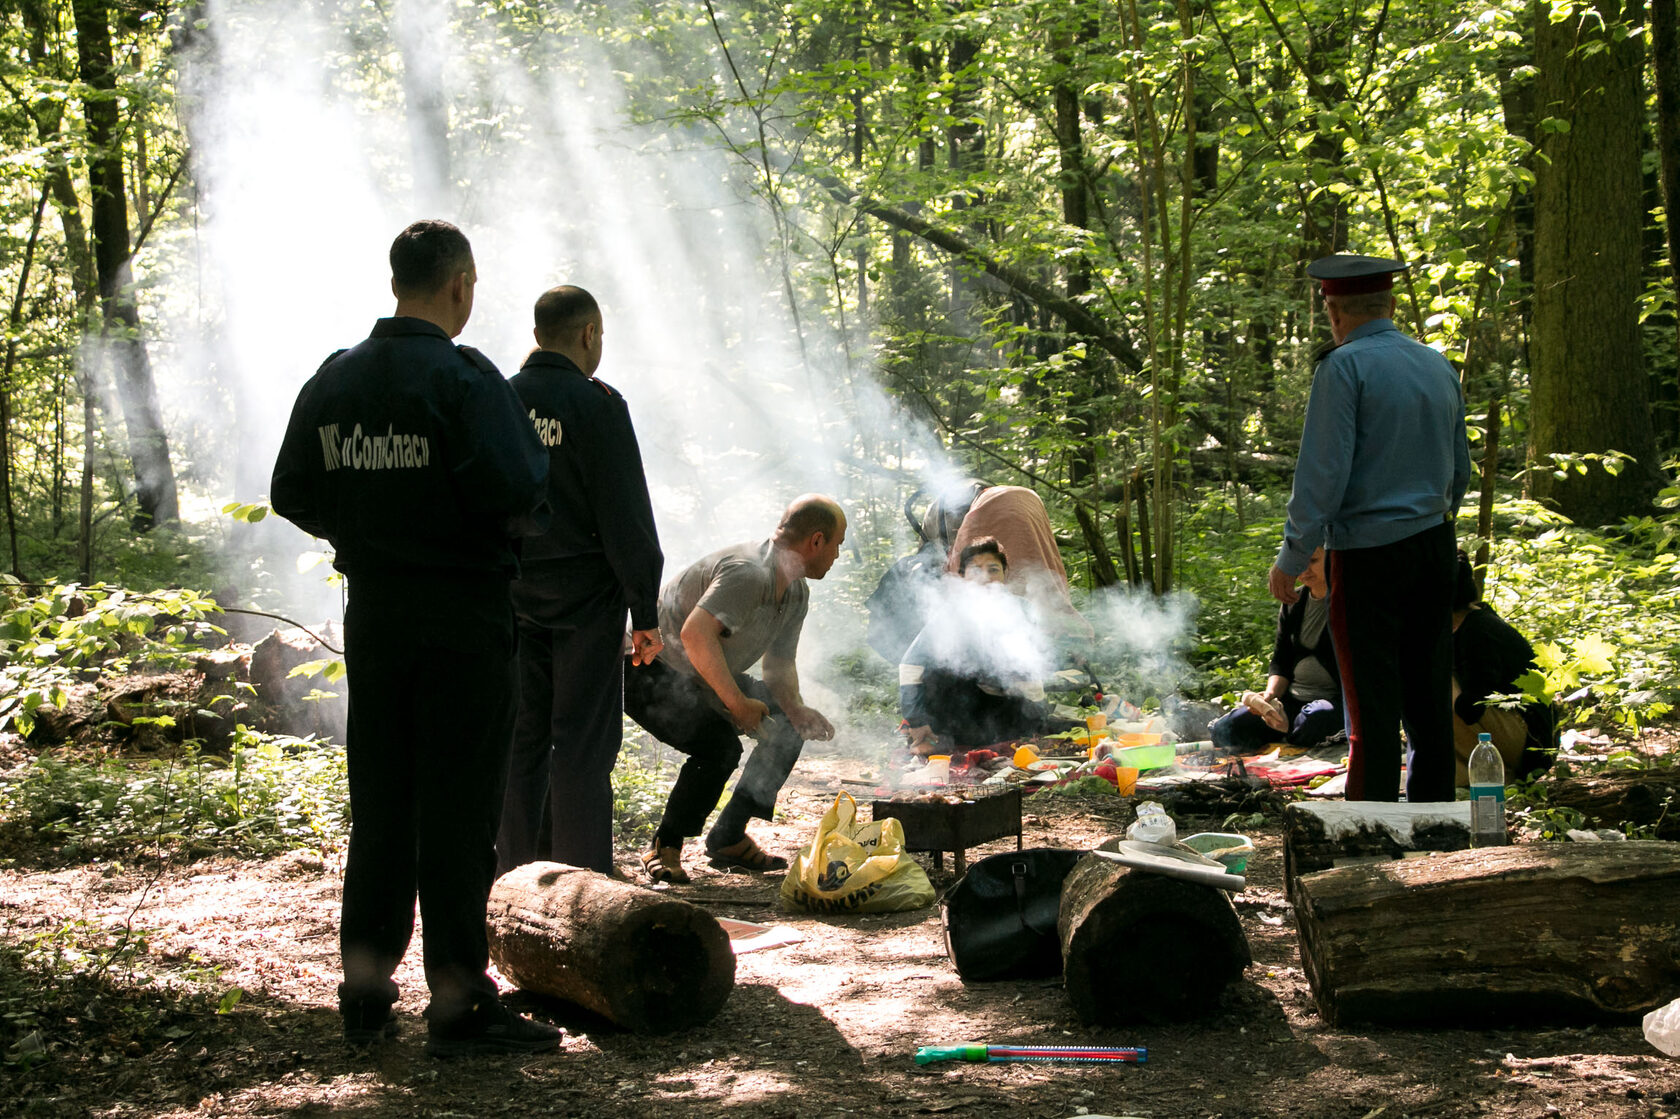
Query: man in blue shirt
[1383, 466]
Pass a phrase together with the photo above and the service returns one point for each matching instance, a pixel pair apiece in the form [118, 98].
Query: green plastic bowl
[1145, 757]
[1231, 849]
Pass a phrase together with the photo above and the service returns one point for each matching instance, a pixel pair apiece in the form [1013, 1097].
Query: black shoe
[367, 1024]
[490, 1028]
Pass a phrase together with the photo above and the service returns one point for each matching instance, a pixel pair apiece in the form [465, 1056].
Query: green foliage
[270, 794]
[639, 792]
[51, 638]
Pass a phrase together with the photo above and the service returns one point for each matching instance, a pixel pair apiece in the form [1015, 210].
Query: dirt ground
[823, 1027]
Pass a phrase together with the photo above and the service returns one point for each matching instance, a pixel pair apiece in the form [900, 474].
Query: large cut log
[1323, 834]
[1640, 797]
[1557, 932]
[1142, 947]
[643, 961]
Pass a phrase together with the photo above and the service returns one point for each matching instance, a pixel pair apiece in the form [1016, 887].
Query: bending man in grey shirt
[718, 618]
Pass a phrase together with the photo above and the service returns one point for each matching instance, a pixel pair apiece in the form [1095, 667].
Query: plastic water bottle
[1487, 795]
[1153, 825]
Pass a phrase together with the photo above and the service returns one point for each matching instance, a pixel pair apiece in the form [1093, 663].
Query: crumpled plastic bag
[855, 868]
[1662, 1028]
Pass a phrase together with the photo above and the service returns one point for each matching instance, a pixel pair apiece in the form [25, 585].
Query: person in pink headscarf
[1015, 517]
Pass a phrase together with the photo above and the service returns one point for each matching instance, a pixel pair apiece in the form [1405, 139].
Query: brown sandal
[747, 855]
[664, 864]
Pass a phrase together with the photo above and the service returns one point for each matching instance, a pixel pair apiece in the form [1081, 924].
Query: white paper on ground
[744, 936]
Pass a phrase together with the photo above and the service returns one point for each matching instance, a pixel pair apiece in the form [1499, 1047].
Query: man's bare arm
[702, 636]
[781, 676]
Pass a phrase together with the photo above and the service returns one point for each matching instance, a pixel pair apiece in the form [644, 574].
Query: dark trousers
[677, 709]
[958, 708]
[1309, 724]
[1391, 623]
[430, 710]
[571, 716]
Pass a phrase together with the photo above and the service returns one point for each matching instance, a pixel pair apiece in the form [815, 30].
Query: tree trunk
[421, 33]
[1646, 798]
[48, 115]
[1588, 383]
[1511, 936]
[1188, 933]
[1665, 64]
[643, 961]
[1484, 506]
[14, 322]
[1102, 561]
[147, 443]
[1076, 213]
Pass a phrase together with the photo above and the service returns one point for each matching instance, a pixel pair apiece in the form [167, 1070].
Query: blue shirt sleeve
[1326, 460]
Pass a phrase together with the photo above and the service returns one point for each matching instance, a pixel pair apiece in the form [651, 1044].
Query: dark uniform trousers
[1391, 624]
[571, 616]
[430, 670]
[679, 710]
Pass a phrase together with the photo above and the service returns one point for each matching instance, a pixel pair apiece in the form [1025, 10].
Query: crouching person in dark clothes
[1302, 703]
[1489, 657]
[598, 559]
[414, 460]
[973, 676]
[719, 618]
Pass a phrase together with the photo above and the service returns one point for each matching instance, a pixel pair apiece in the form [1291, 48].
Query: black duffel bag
[1000, 919]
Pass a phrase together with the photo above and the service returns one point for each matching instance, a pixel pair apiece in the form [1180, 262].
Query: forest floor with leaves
[823, 1027]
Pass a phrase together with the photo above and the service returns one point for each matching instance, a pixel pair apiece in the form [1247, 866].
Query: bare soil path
[823, 1027]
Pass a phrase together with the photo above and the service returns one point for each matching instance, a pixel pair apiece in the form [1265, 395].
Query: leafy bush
[50, 638]
[270, 794]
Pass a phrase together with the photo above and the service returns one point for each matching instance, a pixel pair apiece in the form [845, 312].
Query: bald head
[813, 526]
[812, 512]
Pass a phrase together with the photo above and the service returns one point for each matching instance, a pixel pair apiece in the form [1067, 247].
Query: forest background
[1055, 243]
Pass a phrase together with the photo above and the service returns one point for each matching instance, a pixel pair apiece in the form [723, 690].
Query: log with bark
[1319, 835]
[1556, 932]
[643, 961]
[1643, 798]
[1142, 947]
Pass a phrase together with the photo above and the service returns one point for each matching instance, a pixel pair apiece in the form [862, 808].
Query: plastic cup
[938, 768]
[1096, 722]
[1125, 779]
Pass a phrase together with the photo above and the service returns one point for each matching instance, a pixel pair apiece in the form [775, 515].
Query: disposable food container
[1231, 849]
[1145, 757]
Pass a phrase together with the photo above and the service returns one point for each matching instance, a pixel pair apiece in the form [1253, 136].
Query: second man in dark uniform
[599, 559]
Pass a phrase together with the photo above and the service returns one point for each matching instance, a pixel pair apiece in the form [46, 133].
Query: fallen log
[1142, 947]
[1323, 834]
[643, 961]
[1555, 933]
[1643, 798]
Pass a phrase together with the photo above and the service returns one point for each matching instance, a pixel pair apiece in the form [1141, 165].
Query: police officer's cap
[1350, 274]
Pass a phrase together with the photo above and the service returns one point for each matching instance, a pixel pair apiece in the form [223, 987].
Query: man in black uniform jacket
[599, 558]
[414, 460]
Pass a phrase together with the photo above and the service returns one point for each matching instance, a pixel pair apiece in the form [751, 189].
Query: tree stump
[294, 712]
[1496, 935]
[1640, 797]
[643, 961]
[1323, 834]
[1141, 947]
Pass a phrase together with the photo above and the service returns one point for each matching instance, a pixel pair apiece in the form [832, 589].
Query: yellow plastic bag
[853, 868]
